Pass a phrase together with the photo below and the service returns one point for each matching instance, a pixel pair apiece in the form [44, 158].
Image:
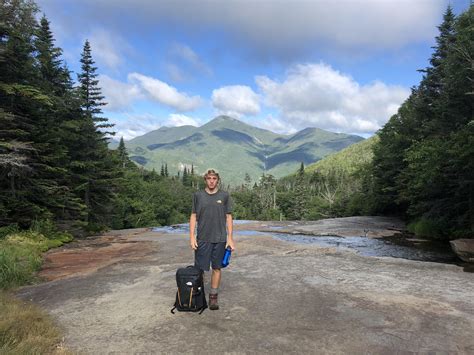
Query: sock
[214, 291]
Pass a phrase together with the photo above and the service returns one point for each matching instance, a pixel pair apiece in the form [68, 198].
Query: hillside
[234, 148]
[348, 159]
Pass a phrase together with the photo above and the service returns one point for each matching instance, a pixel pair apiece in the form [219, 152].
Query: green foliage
[423, 165]
[21, 252]
[10, 229]
[427, 228]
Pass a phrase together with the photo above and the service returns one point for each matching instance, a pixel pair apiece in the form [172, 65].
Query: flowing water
[396, 247]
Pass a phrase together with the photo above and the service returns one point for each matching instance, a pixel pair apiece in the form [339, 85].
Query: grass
[21, 255]
[24, 328]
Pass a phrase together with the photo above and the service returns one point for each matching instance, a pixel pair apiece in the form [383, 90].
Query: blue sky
[344, 66]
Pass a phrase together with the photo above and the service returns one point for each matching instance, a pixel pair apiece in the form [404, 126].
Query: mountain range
[234, 148]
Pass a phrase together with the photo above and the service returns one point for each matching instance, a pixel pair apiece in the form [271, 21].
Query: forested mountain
[234, 148]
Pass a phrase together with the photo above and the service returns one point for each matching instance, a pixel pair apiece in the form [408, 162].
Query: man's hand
[230, 243]
[193, 243]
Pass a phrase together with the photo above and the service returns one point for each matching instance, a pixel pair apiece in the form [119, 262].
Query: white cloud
[108, 48]
[118, 95]
[135, 125]
[176, 120]
[236, 100]
[317, 95]
[165, 94]
[274, 124]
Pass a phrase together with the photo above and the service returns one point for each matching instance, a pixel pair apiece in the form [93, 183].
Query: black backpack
[190, 296]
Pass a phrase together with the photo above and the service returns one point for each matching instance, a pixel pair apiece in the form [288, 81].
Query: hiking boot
[213, 302]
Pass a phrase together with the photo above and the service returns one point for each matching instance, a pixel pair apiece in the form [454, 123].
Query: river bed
[398, 245]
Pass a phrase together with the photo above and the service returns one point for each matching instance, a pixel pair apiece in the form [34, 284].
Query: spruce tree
[185, 177]
[95, 169]
[20, 100]
[122, 153]
[54, 76]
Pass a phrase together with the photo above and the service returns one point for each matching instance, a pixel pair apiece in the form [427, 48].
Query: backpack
[190, 296]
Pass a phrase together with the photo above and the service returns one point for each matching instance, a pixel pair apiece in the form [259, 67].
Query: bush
[10, 229]
[428, 228]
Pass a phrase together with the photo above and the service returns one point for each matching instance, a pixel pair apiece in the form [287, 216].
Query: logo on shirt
[219, 201]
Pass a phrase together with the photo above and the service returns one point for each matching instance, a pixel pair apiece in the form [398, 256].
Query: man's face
[211, 181]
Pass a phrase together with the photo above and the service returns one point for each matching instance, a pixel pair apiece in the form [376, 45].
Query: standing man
[212, 209]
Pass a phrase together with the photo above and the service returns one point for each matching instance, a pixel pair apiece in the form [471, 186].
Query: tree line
[424, 163]
[55, 164]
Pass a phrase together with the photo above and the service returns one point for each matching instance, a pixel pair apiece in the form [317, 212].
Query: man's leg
[215, 278]
[215, 282]
[217, 255]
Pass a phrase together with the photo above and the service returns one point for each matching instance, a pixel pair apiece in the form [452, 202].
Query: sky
[344, 66]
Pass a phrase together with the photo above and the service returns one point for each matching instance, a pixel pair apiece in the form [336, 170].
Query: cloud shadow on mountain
[229, 135]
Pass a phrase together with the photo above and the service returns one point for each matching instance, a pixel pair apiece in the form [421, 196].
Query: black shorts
[209, 253]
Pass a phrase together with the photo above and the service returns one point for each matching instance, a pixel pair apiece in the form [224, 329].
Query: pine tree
[166, 170]
[89, 91]
[423, 163]
[162, 171]
[122, 153]
[20, 100]
[95, 167]
[54, 77]
[185, 177]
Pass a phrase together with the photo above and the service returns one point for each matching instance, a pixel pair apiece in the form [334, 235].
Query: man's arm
[192, 227]
[230, 239]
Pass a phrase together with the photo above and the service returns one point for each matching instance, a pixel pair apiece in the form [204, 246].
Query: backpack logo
[219, 201]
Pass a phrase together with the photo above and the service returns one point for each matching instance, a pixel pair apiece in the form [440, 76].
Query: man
[212, 210]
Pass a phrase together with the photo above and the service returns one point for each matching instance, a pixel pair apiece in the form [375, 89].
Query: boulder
[464, 249]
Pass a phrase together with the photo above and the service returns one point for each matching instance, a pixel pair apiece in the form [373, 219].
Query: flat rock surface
[275, 297]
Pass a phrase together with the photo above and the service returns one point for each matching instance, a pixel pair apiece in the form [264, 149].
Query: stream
[396, 247]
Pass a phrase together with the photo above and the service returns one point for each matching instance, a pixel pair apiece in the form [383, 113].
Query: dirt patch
[86, 256]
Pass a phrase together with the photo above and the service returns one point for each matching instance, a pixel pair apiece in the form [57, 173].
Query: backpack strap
[179, 298]
[172, 309]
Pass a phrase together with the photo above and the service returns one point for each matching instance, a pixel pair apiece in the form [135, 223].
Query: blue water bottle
[226, 258]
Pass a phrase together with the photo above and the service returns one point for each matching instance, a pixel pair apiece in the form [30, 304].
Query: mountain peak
[224, 118]
[223, 121]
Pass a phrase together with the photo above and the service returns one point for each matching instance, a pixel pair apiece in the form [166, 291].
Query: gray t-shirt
[211, 210]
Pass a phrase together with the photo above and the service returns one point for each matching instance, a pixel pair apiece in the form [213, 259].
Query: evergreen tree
[95, 169]
[162, 171]
[423, 162]
[166, 170]
[89, 90]
[54, 77]
[20, 101]
[185, 177]
[122, 153]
